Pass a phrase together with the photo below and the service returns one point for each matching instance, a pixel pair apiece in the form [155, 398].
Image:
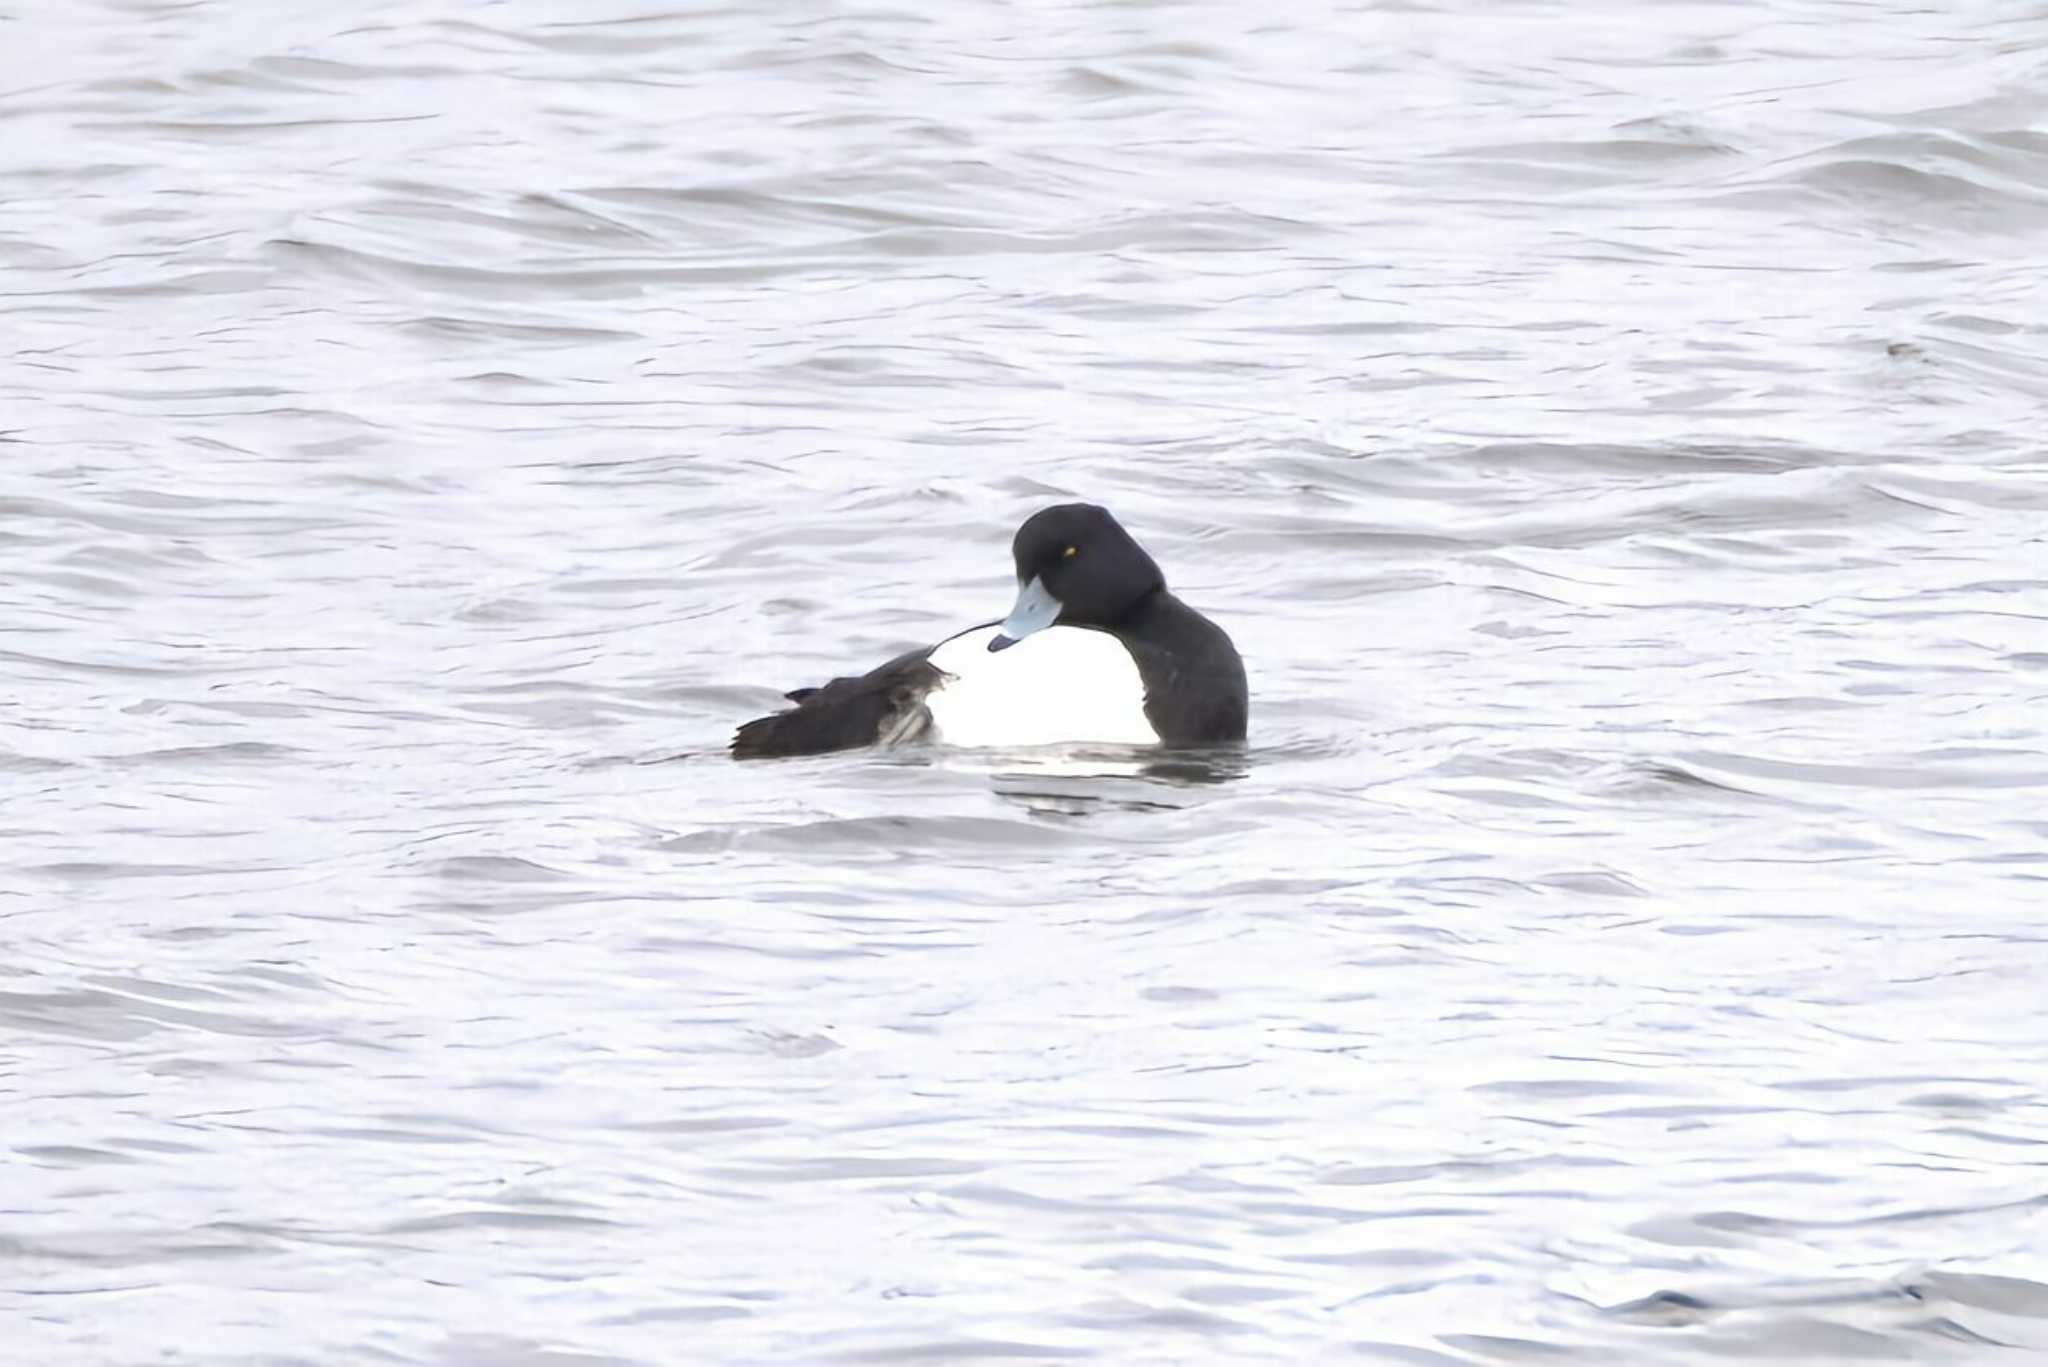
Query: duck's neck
[1158, 614]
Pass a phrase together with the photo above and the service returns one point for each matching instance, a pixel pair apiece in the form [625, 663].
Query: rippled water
[1612, 432]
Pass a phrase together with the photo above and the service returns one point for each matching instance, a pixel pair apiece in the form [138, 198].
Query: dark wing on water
[882, 705]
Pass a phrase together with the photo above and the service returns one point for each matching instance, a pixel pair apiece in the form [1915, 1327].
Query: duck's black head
[1076, 565]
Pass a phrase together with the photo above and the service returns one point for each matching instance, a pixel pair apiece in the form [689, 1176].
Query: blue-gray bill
[1035, 610]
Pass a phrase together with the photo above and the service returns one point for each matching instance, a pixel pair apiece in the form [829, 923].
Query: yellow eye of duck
[1070, 552]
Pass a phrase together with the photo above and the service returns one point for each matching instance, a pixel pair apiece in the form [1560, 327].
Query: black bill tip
[1001, 642]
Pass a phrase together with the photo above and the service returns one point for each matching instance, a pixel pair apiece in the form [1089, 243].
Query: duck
[1095, 651]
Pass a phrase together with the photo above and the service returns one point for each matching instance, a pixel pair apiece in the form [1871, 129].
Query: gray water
[1613, 434]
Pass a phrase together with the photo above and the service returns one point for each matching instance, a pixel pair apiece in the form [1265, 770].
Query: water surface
[1611, 433]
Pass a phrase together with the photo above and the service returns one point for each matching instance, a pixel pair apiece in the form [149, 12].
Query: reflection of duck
[1075, 782]
[1096, 651]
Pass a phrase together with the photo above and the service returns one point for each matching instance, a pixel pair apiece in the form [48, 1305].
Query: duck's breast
[1059, 686]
